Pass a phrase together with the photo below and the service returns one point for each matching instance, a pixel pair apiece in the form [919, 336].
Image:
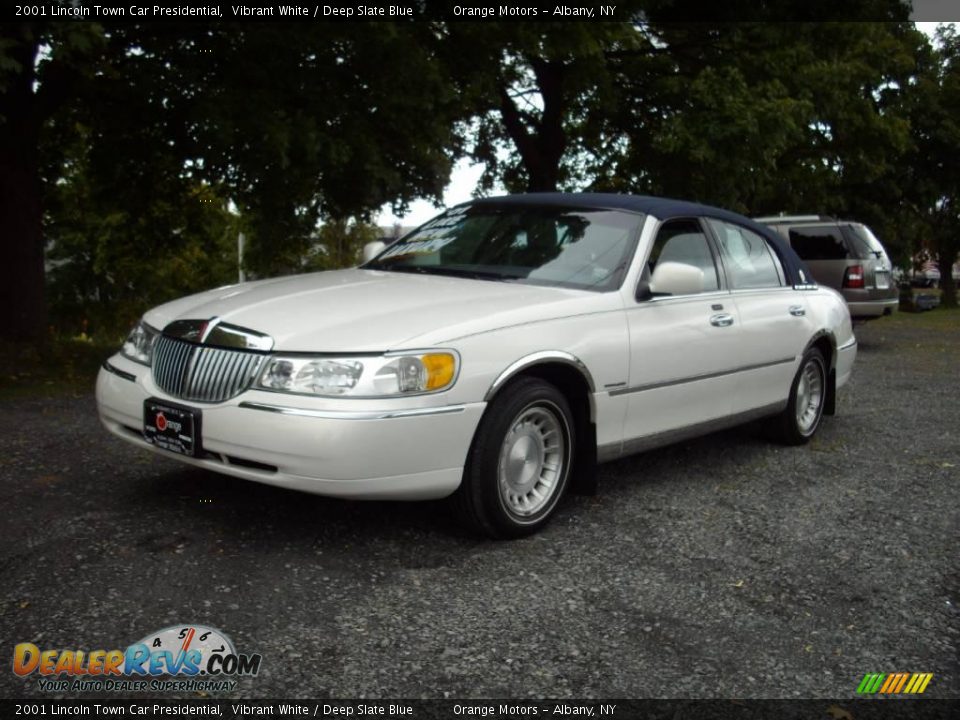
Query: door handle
[722, 320]
[798, 310]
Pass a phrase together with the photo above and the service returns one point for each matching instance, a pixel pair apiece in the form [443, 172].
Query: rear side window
[818, 243]
[747, 257]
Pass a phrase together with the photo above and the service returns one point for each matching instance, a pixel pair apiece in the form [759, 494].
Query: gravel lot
[722, 567]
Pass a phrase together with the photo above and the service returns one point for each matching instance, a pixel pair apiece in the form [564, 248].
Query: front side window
[585, 249]
[683, 241]
[747, 257]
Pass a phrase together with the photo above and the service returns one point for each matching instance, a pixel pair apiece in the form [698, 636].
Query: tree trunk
[945, 259]
[21, 233]
[541, 147]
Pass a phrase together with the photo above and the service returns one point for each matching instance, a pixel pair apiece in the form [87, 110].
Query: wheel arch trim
[817, 337]
[540, 358]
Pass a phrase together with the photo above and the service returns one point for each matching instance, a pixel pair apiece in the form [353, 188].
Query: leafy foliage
[930, 173]
[114, 250]
[149, 147]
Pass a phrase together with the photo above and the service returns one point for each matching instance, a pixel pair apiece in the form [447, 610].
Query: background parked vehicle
[925, 273]
[846, 256]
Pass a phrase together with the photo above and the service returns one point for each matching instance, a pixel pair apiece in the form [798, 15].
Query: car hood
[366, 310]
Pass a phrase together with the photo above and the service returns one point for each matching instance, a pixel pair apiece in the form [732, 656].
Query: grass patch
[65, 366]
[939, 319]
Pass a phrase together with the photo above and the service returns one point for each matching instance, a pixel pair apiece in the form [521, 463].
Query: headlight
[139, 343]
[395, 374]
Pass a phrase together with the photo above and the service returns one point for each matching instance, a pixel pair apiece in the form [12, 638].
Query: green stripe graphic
[871, 683]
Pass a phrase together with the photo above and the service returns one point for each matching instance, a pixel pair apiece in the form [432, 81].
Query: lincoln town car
[493, 356]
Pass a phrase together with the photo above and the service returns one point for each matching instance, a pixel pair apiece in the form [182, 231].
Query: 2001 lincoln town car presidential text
[494, 355]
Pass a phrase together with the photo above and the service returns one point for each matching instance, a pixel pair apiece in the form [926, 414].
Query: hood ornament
[215, 333]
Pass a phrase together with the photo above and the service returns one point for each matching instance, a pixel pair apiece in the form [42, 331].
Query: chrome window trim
[677, 299]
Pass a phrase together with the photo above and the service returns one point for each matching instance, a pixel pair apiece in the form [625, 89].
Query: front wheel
[808, 394]
[520, 461]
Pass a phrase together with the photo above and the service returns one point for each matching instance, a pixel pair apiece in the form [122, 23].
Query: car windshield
[586, 249]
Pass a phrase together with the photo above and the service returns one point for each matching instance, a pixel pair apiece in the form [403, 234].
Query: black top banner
[615, 709]
[475, 11]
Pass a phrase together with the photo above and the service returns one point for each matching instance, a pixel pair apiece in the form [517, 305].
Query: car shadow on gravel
[871, 346]
[214, 506]
[207, 502]
[661, 465]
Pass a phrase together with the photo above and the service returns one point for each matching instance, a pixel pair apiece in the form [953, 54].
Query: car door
[774, 327]
[682, 346]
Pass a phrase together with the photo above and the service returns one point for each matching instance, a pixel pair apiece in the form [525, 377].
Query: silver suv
[846, 256]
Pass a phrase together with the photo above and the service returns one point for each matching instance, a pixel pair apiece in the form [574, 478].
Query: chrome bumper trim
[847, 346]
[354, 414]
[118, 372]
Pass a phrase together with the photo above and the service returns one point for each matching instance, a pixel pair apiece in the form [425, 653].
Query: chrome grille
[202, 373]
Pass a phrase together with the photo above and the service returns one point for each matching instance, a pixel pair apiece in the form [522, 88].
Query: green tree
[339, 244]
[931, 173]
[289, 123]
[531, 89]
[767, 117]
[300, 123]
[34, 85]
[747, 114]
[115, 249]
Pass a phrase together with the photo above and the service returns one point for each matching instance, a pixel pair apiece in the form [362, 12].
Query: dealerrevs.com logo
[176, 659]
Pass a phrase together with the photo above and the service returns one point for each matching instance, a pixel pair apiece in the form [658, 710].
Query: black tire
[512, 482]
[792, 427]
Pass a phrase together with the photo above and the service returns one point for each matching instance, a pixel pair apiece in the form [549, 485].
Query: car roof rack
[794, 218]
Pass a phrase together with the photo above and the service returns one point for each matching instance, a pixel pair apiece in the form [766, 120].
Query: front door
[682, 347]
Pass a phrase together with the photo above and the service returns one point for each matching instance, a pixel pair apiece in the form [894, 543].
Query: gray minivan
[846, 256]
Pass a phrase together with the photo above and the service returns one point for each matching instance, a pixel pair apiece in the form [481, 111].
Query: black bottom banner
[880, 709]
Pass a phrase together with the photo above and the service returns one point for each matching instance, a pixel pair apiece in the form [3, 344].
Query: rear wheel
[520, 461]
[808, 393]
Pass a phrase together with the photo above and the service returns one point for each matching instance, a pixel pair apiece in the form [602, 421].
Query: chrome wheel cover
[809, 404]
[532, 460]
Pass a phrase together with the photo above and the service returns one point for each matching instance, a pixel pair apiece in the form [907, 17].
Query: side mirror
[675, 278]
[372, 249]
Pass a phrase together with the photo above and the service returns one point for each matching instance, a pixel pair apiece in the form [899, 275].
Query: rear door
[773, 317]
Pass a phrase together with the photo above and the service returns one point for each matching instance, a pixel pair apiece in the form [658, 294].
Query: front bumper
[345, 448]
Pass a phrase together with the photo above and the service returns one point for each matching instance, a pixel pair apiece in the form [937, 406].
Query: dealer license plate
[172, 427]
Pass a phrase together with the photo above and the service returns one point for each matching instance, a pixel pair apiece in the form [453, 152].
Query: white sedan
[494, 355]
